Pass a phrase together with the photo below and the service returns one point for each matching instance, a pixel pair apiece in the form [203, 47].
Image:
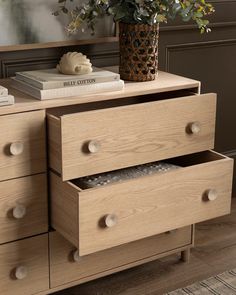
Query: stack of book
[49, 83]
[5, 98]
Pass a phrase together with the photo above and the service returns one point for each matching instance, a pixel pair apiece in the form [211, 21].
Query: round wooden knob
[16, 148]
[94, 146]
[21, 272]
[76, 256]
[194, 127]
[211, 194]
[111, 220]
[19, 211]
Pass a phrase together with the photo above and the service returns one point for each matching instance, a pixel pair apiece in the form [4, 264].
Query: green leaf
[137, 11]
[65, 10]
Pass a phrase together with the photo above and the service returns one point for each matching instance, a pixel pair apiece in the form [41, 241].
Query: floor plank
[214, 252]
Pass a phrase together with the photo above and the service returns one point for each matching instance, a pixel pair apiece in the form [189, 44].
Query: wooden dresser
[53, 233]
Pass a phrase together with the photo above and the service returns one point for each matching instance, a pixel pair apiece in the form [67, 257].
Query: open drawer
[85, 140]
[103, 217]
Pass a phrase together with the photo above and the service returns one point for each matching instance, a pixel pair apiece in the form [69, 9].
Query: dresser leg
[185, 255]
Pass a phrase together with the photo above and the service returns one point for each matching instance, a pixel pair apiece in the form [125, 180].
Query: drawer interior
[126, 174]
[61, 111]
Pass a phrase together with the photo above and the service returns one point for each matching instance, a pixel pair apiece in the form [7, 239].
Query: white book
[67, 91]
[3, 91]
[51, 78]
[7, 100]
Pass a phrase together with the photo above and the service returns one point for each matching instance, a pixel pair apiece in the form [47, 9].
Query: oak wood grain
[123, 256]
[29, 129]
[156, 204]
[143, 208]
[164, 82]
[64, 208]
[214, 253]
[57, 44]
[131, 135]
[31, 253]
[31, 193]
[54, 138]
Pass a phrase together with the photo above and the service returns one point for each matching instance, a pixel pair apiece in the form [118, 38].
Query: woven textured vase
[138, 51]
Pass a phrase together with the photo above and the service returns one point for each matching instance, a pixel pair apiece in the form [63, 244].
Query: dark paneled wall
[210, 58]
[12, 61]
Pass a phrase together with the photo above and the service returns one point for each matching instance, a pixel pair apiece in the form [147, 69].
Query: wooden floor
[214, 252]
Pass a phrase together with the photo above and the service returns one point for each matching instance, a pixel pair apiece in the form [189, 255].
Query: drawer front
[23, 207]
[103, 140]
[153, 205]
[24, 268]
[22, 144]
[62, 255]
[100, 218]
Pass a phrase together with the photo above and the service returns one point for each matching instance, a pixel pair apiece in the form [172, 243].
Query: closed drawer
[90, 142]
[24, 268]
[63, 256]
[22, 144]
[23, 207]
[103, 217]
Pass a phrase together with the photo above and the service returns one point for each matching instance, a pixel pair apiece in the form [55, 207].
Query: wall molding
[223, 17]
[194, 45]
[175, 37]
[10, 62]
[23, 63]
[223, 20]
[194, 27]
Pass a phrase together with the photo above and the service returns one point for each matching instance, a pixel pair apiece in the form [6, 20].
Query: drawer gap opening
[86, 107]
[196, 158]
[153, 168]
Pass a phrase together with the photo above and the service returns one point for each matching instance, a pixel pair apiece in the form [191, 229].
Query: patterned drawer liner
[123, 174]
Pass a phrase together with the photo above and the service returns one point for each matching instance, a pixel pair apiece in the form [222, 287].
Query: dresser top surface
[164, 82]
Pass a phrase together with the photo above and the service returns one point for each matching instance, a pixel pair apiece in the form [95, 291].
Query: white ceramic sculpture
[74, 63]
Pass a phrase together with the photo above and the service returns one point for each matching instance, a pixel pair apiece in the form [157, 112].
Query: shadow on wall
[30, 21]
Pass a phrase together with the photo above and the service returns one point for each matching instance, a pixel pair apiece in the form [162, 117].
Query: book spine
[68, 83]
[3, 91]
[7, 100]
[31, 82]
[68, 91]
[24, 87]
[82, 90]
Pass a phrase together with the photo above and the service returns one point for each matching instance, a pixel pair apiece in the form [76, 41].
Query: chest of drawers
[55, 233]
